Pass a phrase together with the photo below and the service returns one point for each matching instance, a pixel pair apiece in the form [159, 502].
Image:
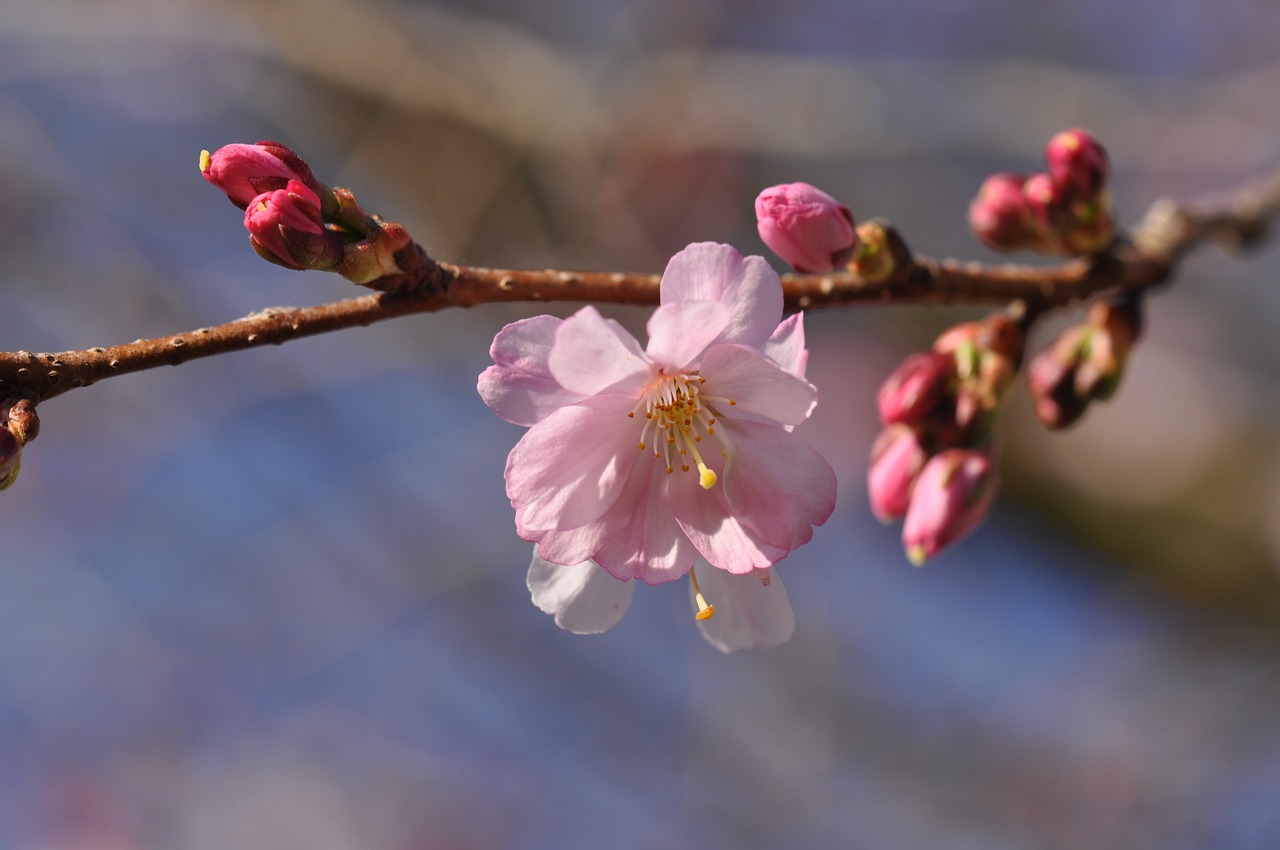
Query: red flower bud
[1077, 163]
[914, 389]
[896, 460]
[998, 214]
[951, 497]
[285, 228]
[246, 171]
[806, 227]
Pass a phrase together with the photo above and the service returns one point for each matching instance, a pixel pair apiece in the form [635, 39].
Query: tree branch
[1167, 231]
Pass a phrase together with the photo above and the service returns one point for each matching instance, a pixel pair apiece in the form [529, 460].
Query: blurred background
[276, 600]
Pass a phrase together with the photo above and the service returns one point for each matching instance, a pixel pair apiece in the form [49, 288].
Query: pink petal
[583, 598]
[519, 386]
[649, 545]
[756, 384]
[592, 355]
[707, 271]
[572, 545]
[681, 331]
[786, 346]
[776, 484]
[719, 537]
[570, 467]
[749, 614]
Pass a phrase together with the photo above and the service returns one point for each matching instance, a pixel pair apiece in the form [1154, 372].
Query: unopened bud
[18, 425]
[246, 171]
[285, 228]
[1085, 362]
[914, 389]
[896, 460]
[998, 214]
[1077, 163]
[1051, 379]
[951, 497]
[988, 354]
[806, 227]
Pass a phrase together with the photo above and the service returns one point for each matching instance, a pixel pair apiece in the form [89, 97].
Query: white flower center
[677, 416]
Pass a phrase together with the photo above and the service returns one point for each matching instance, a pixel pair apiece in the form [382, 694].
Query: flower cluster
[1085, 362]
[1064, 211]
[638, 463]
[932, 462]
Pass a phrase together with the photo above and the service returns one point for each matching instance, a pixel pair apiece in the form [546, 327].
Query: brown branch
[1167, 232]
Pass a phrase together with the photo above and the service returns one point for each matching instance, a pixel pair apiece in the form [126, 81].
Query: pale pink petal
[756, 385]
[649, 545]
[748, 615]
[681, 331]
[571, 545]
[786, 346]
[583, 598]
[592, 355]
[776, 484]
[707, 271]
[519, 386]
[570, 468]
[718, 536]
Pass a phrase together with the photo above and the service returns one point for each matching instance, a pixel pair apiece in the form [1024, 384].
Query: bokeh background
[275, 599]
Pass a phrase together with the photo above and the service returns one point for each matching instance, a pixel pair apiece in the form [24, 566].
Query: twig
[1163, 236]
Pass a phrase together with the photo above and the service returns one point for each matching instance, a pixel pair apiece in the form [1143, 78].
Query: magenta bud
[1047, 203]
[896, 460]
[998, 214]
[951, 497]
[806, 227]
[246, 171]
[1077, 163]
[916, 387]
[285, 228]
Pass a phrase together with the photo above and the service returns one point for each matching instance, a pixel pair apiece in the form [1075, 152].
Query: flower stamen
[674, 403]
[705, 609]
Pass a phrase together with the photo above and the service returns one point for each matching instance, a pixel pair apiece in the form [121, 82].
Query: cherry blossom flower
[639, 462]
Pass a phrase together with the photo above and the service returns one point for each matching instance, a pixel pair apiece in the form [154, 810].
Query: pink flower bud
[285, 228]
[1046, 202]
[896, 459]
[246, 171]
[1077, 163]
[806, 227]
[998, 214]
[951, 496]
[914, 389]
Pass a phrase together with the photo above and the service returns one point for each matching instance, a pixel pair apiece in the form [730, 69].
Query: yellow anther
[205, 160]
